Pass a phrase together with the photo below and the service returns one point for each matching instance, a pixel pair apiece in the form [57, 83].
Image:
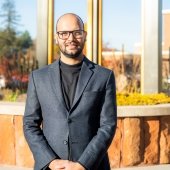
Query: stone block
[131, 147]
[151, 137]
[7, 140]
[165, 140]
[115, 147]
[24, 156]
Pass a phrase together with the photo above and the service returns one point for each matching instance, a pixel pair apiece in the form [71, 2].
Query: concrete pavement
[154, 167]
[4, 167]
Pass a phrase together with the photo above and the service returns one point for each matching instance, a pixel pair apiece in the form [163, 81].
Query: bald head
[66, 20]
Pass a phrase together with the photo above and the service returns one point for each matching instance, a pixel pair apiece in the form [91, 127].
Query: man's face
[70, 36]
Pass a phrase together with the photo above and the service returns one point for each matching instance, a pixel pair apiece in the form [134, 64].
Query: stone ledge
[17, 108]
[12, 108]
[144, 111]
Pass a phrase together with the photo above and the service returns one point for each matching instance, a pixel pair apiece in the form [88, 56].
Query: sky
[121, 18]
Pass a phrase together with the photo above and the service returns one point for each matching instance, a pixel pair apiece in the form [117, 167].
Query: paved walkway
[155, 167]
[3, 167]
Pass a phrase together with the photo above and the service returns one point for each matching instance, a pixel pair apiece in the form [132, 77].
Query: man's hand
[58, 164]
[74, 166]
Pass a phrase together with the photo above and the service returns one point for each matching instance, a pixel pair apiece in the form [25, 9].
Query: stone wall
[140, 140]
[13, 147]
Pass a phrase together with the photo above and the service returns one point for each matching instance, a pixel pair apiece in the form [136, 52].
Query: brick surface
[23, 154]
[115, 148]
[165, 140]
[7, 144]
[151, 137]
[131, 147]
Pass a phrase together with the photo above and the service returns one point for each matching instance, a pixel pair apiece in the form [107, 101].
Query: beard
[70, 54]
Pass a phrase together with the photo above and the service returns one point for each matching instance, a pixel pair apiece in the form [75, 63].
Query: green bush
[9, 95]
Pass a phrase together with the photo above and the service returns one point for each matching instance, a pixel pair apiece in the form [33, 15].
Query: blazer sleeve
[42, 152]
[99, 144]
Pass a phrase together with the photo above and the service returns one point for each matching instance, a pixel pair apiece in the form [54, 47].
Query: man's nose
[71, 36]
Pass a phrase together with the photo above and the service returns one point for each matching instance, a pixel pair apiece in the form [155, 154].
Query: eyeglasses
[64, 35]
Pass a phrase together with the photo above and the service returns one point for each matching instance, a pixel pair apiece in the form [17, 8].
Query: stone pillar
[151, 72]
[42, 32]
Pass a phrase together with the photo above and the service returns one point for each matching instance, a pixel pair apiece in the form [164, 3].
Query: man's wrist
[51, 164]
[80, 166]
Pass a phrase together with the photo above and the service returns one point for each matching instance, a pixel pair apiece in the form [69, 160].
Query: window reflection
[17, 47]
[121, 42]
[166, 46]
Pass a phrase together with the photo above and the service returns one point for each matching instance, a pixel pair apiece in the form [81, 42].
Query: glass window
[122, 42]
[166, 45]
[17, 47]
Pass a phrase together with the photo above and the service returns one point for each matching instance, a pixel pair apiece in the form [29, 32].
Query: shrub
[141, 99]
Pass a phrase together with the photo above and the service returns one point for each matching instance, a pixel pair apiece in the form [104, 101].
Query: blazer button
[65, 142]
[69, 121]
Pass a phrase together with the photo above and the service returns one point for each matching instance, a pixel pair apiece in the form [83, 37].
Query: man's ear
[56, 39]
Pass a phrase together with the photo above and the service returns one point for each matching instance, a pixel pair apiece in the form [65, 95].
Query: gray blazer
[89, 125]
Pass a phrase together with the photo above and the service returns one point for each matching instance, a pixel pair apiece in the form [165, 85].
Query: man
[70, 114]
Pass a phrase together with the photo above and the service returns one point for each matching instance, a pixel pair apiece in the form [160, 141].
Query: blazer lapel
[55, 80]
[84, 77]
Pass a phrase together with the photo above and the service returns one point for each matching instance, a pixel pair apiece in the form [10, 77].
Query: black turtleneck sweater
[69, 78]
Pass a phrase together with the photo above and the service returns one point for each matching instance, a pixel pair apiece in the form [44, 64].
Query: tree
[7, 42]
[10, 40]
[24, 41]
[10, 18]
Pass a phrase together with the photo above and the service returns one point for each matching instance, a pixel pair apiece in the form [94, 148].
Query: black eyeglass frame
[70, 32]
